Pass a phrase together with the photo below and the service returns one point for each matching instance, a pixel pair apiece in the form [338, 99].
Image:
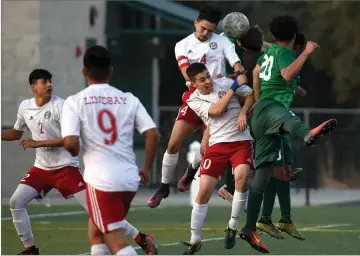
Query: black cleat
[323, 129]
[186, 180]
[31, 251]
[160, 194]
[192, 248]
[229, 240]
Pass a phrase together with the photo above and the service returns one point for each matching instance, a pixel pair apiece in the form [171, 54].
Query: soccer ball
[235, 25]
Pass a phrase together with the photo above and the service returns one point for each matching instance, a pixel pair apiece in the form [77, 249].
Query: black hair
[37, 74]
[300, 40]
[284, 28]
[210, 13]
[195, 69]
[97, 62]
[253, 39]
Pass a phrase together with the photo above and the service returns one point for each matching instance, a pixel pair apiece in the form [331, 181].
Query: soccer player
[279, 183]
[54, 167]
[251, 42]
[105, 118]
[229, 141]
[278, 71]
[213, 50]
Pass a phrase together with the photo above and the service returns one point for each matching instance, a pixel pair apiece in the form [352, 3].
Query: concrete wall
[40, 35]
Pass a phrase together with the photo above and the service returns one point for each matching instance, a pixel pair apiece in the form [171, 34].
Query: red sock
[138, 238]
[29, 248]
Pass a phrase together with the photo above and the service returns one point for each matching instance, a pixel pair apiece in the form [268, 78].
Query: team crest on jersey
[213, 45]
[221, 94]
[47, 114]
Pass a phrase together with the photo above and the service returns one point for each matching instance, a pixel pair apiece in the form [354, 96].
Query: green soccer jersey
[229, 69]
[272, 84]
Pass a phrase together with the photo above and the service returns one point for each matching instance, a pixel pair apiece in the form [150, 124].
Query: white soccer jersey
[105, 118]
[222, 128]
[44, 124]
[213, 53]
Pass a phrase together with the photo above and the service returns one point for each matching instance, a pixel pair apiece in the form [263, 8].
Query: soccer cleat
[253, 239]
[225, 194]
[296, 174]
[192, 248]
[323, 129]
[229, 240]
[162, 192]
[186, 180]
[147, 244]
[290, 229]
[269, 228]
[31, 251]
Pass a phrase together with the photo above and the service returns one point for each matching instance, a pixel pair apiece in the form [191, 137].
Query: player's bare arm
[30, 143]
[256, 82]
[151, 141]
[221, 106]
[294, 68]
[183, 72]
[205, 141]
[11, 134]
[72, 144]
[242, 119]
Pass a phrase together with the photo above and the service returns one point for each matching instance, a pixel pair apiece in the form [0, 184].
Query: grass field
[328, 230]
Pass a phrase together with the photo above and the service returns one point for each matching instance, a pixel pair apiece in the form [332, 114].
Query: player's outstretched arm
[30, 143]
[221, 106]
[292, 70]
[11, 134]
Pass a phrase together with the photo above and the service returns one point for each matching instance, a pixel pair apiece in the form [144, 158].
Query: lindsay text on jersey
[104, 100]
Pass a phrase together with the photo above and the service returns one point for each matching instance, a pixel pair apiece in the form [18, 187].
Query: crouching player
[230, 141]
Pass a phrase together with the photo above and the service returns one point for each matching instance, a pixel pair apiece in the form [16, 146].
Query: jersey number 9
[108, 129]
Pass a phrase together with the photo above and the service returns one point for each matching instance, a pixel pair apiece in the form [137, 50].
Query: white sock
[197, 161]
[23, 227]
[168, 167]
[237, 208]
[198, 216]
[127, 251]
[100, 249]
[130, 230]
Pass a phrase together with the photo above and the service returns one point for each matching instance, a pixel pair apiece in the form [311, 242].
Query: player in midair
[253, 43]
[229, 141]
[105, 118]
[54, 167]
[213, 50]
[278, 70]
[283, 174]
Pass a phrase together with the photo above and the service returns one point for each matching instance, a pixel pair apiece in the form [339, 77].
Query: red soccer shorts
[217, 156]
[186, 113]
[67, 180]
[108, 209]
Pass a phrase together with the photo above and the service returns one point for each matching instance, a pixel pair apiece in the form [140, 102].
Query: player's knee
[203, 197]
[16, 202]
[241, 175]
[173, 147]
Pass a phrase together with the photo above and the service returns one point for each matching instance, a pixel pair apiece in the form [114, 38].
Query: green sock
[230, 181]
[296, 127]
[283, 192]
[269, 198]
[256, 193]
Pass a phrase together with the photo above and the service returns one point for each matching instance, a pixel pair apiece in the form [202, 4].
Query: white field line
[58, 214]
[221, 238]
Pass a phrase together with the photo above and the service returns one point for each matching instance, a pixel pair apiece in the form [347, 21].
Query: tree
[335, 26]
